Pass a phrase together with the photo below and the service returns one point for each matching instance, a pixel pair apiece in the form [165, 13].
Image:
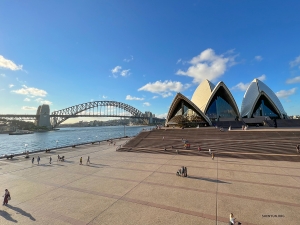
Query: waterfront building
[215, 101]
[184, 112]
[211, 103]
[260, 100]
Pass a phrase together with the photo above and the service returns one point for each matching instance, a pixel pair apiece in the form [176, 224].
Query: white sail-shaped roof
[255, 90]
[230, 99]
[176, 102]
[202, 94]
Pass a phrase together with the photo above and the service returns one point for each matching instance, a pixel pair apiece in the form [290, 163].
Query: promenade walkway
[135, 186]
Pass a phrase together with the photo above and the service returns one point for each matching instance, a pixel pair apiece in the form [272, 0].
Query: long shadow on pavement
[100, 166]
[208, 179]
[22, 212]
[7, 216]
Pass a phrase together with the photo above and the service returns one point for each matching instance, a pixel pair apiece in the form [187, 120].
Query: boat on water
[20, 132]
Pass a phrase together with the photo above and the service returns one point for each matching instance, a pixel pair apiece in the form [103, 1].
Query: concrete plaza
[142, 188]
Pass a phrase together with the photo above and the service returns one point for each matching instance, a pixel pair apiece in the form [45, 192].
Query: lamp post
[56, 143]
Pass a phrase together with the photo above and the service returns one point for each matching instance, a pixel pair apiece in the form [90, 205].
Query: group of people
[38, 160]
[182, 172]
[232, 220]
[59, 158]
[87, 161]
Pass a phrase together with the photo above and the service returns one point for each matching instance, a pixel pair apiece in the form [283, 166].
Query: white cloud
[28, 108]
[104, 97]
[178, 61]
[146, 104]
[27, 100]
[8, 64]
[262, 77]
[208, 65]
[30, 91]
[241, 86]
[285, 93]
[2, 75]
[46, 102]
[42, 101]
[162, 116]
[258, 58]
[154, 97]
[166, 94]
[128, 60]
[11, 85]
[128, 97]
[293, 80]
[124, 73]
[295, 62]
[164, 88]
[116, 69]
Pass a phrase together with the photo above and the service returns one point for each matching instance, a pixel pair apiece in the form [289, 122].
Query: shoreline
[63, 147]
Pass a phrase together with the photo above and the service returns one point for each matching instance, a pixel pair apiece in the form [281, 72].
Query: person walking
[50, 160]
[6, 197]
[58, 158]
[297, 148]
[212, 156]
[32, 161]
[88, 160]
[38, 160]
[80, 160]
[231, 219]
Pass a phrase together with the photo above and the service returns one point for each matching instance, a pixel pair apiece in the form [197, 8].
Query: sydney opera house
[211, 104]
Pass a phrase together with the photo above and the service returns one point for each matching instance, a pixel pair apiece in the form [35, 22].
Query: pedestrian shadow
[22, 212]
[68, 161]
[7, 216]
[96, 166]
[208, 179]
[44, 165]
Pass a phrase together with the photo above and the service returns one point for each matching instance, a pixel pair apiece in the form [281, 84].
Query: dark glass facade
[221, 106]
[185, 115]
[263, 107]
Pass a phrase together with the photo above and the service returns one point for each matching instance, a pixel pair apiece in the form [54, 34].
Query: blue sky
[142, 53]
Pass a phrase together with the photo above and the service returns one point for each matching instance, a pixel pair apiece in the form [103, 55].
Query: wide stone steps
[238, 144]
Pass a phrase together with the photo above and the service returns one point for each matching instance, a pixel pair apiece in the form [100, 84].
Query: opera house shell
[215, 103]
[184, 112]
[260, 100]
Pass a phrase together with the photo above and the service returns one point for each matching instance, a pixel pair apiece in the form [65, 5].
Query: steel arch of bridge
[57, 117]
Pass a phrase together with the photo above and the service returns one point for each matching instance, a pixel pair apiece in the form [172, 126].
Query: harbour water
[14, 144]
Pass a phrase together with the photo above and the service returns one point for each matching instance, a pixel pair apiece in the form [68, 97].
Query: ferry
[20, 132]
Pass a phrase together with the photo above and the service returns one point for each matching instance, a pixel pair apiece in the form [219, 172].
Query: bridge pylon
[43, 116]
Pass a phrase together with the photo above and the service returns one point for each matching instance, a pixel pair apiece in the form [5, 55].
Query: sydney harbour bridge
[89, 109]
